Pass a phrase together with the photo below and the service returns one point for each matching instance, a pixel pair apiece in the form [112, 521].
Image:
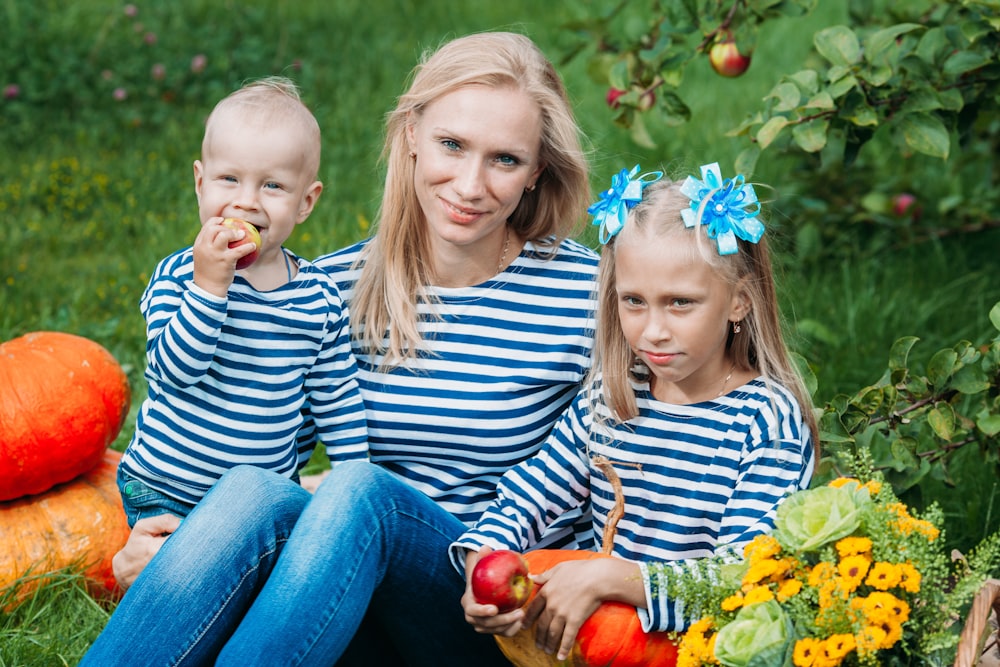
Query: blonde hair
[266, 101]
[394, 273]
[760, 348]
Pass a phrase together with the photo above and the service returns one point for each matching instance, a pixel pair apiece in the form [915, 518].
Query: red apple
[726, 58]
[501, 578]
[612, 97]
[252, 236]
[904, 203]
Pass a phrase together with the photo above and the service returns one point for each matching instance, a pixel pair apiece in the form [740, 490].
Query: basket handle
[969, 645]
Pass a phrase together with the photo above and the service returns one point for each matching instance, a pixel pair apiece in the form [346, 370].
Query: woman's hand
[486, 618]
[571, 591]
[144, 541]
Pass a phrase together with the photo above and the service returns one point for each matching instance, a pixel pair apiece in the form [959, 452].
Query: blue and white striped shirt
[503, 359]
[699, 480]
[232, 380]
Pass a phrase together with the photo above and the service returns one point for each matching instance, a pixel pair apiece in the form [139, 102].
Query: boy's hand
[214, 260]
[144, 541]
[486, 618]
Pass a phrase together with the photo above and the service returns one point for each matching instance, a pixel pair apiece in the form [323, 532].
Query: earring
[413, 155]
[737, 328]
[530, 188]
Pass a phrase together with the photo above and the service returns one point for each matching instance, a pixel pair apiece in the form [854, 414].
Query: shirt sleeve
[183, 323]
[536, 492]
[333, 397]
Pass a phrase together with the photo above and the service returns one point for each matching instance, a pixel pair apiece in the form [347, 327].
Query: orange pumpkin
[611, 637]
[79, 523]
[63, 399]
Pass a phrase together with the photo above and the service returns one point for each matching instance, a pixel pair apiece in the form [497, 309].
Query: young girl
[692, 400]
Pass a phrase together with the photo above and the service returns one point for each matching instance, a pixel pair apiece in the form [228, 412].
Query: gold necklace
[728, 378]
[506, 244]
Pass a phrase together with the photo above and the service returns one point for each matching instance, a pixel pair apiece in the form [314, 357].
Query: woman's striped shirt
[502, 360]
[232, 380]
[699, 480]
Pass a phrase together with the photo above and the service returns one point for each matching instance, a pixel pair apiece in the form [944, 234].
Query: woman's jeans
[367, 543]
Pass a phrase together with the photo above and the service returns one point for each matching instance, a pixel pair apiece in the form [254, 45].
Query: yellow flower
[836, 647]
[761, 547]
[758, 594]
[732, 603]
[788, 588]
[870, 639]
[884, 576]
[841, 481]
[909, 578]
[873, 486]
[879, 608]
[853, 570]
[806, 651]
[695, 648]
[851, 546]
[761, 570]
[823, 571]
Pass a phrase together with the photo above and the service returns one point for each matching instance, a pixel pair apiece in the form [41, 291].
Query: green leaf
[787, 95]
[805, 372]
[811, 137]
[746, 161]
[839, 45]
[900, 351]
[821, 100]
[841, 86]
[970, 380]
[995, 315]
[941, 419]
[988, 423]
[941, 366]
[639, 133]
[964, 61]
[770, 130]
[879, 42]
[902, 455]
[619, 76]
[925, 134]
[807, 80]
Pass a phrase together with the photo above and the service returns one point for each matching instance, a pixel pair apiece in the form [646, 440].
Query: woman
[471, 318]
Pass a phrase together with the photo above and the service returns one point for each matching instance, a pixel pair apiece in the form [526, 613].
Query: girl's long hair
[395, 268]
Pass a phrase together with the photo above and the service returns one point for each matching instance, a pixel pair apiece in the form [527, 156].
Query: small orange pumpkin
[63, 399]
[79, 523]
[613, 635]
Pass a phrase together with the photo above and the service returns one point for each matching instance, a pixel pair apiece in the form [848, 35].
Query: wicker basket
[978, 644]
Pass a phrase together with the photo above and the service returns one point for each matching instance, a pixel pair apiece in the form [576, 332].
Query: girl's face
[477, 150]
[675, 312]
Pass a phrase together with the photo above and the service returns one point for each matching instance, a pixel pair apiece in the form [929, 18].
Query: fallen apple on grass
[500, 578]
[252, 236]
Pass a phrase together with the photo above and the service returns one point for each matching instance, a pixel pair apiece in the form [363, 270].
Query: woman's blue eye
[508, 159]
[450, 144]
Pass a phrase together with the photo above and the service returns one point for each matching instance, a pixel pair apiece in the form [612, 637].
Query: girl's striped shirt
[699, 480]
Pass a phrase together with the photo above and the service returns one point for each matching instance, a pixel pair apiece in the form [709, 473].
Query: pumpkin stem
[603, 464]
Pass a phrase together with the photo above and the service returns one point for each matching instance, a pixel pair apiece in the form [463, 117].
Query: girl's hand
[486, 618]
[571, 591]
[214, 260]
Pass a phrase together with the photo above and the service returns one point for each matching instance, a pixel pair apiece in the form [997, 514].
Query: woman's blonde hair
[395, 267]
[760, 347]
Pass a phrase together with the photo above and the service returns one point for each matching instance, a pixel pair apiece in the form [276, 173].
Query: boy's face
[257, 172]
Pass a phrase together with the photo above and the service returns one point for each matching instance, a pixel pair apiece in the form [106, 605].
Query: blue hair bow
[625, 192]
[727, 207]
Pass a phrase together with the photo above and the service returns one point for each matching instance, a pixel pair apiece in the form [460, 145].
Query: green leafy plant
[917, 81]
[914, 421]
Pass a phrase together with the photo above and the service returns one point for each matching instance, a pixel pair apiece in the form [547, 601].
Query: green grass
[94, 192]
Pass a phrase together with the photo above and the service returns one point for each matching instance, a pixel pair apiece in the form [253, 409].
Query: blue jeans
[141, 501]
[367, 546]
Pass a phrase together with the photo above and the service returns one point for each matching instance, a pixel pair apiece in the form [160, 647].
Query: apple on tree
[500, 578]
[252, 236]
[725, 56]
